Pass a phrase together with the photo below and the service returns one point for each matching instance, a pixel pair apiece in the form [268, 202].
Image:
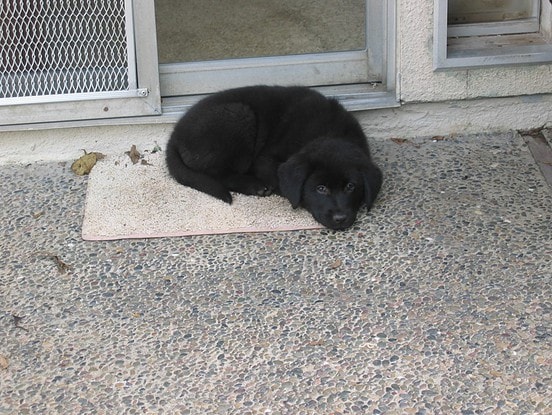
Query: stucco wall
[418, 82]
[62, 144]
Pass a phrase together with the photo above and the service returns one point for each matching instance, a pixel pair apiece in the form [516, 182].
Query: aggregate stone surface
[438, 301]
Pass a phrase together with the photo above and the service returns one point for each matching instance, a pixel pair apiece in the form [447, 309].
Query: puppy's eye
[350, 187]
[323, 190]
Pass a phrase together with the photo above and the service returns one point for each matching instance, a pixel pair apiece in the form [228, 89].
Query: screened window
[71, 59]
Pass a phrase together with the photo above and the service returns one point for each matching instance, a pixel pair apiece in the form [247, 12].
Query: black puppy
[292, 141]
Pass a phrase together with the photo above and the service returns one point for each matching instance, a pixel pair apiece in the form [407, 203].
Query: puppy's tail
[196, 180]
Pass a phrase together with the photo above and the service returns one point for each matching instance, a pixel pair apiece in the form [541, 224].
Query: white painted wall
[434, 103]
[68, 143]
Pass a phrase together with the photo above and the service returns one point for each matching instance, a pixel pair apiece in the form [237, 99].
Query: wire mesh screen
[51, 47]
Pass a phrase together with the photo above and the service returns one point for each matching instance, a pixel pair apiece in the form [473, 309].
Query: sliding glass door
[208, 45]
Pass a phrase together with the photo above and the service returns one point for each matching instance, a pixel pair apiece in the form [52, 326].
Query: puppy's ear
[291, 177]
[372, 178]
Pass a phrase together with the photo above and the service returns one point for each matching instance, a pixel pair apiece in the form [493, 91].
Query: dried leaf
[37, 215]
[336, 264]
[156, 149]
[4, 362]
[399, 140]
[17, 322]
[134, 154]
[62, 266]
[535, 132]
[84, 164]
[144, 162]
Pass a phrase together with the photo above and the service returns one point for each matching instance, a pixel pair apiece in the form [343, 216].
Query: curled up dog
[291, 141]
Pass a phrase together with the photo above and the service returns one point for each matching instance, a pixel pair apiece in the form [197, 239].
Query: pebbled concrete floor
[438, 301]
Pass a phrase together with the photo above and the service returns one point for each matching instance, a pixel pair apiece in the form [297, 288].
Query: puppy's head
[332, 190]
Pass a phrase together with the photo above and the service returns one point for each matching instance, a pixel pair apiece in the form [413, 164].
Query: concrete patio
[438, 301]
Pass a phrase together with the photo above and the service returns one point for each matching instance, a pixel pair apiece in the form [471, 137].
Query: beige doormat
[126, 200]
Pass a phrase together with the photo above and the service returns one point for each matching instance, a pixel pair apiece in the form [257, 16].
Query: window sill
[482, 51]
[353, 97]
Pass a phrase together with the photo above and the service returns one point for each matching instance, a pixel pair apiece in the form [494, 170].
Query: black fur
[291, 141]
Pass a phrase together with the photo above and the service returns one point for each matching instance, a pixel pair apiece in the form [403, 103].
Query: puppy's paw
[265, 191]
[227, 198]
[248, 185]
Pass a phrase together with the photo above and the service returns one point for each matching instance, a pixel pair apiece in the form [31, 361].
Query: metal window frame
[189, 81]
[143, 97]
[509, 54]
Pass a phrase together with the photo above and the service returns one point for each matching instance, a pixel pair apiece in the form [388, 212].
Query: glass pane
[201, 30]
[487, 11]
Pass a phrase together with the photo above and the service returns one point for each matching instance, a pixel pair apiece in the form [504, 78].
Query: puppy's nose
[339, 217]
